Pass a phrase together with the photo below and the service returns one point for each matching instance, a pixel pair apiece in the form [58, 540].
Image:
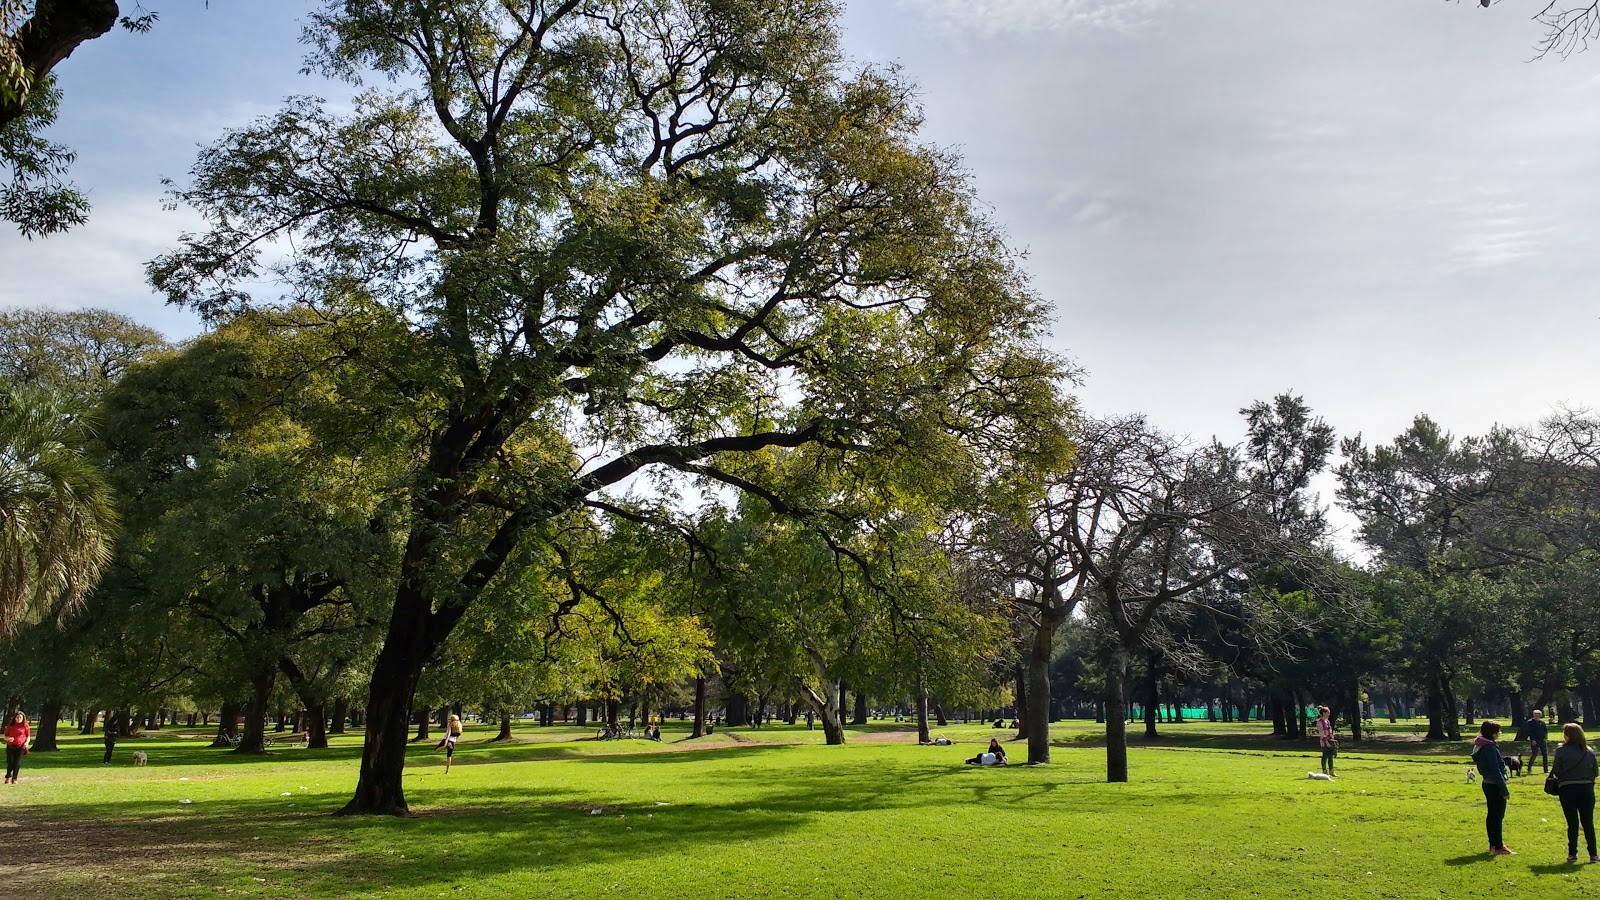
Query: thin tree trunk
[860, 717]
[1116, 725]
[1152, 698]
[923, 735]
[341, 712]
[505, 727]
[1452, 721]
[699, 707]
[1023, 673]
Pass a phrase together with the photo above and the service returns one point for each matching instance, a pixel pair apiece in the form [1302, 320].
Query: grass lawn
[1213, 810]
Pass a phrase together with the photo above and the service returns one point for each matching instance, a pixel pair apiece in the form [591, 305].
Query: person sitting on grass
[994, 756]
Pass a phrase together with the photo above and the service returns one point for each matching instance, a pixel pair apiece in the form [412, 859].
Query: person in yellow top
[448, 745]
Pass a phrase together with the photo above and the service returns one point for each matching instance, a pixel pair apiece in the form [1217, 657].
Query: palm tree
[57, 518]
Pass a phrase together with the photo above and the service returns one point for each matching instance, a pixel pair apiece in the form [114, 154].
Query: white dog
[1472, 774]
[139, 758]
[1319, 776]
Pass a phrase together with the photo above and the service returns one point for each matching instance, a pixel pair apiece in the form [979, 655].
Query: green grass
[1213, 810]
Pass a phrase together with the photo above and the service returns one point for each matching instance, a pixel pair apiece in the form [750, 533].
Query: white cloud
[994, 17]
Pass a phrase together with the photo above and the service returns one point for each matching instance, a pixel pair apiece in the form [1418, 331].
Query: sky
[1381, 206]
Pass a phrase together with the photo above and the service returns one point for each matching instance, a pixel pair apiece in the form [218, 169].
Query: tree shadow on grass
[515, 828]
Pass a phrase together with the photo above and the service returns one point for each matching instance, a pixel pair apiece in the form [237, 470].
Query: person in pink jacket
[17, 734]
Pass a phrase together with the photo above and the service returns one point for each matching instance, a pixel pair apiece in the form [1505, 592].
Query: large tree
[662, 231]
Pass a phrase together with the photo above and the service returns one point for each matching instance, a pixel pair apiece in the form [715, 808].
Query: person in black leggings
[1492, 772]
[110, 737]
[1574, 770]
[16, 733]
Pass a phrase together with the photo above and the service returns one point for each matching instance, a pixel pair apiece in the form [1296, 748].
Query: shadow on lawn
[515, 828]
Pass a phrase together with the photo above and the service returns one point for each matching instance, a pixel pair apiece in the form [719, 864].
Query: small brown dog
[139, 758]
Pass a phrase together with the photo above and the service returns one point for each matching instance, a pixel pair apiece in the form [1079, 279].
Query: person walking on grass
[1538, 734]
[452, 734]
[1575, 771]
[1325, 737]
[17, 734]
[109, 736]
[1492, 773]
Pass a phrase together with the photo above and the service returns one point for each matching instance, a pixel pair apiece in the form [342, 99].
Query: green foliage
[37, 199]
[78, 352]
[57, 518]
[666, 233]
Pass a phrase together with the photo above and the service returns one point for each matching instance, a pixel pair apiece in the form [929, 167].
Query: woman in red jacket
[17, 734]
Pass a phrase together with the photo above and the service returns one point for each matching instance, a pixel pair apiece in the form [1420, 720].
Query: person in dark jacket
[1537, 733]
[1575, 771]
[1492, 773]
[109, 736]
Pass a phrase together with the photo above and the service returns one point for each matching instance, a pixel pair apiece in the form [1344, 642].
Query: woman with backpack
[1574, 769]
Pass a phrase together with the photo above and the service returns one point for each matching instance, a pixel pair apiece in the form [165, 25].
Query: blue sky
[1382, 206]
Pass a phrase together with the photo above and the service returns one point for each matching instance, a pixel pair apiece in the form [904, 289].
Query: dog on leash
[139, 758]
[1514, 764]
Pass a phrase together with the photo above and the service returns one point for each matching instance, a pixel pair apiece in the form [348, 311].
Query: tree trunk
[583, 714]
[738, 712]
[316, 726]
[254, 739]
[89, 721]
[424, 721]
[505, 727]
[1021, 674]
[1152, 697]
[1116, 725]
[379, 790]
[1034, 703]
[1355, 715]
[825, 705]
[1435, 710]
[1452, 722]
[227, 724]
[44, 739]
[923, 735]
[699, 707]
[341, 711]
[860, 717]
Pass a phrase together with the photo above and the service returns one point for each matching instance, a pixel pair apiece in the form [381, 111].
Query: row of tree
[610, 345]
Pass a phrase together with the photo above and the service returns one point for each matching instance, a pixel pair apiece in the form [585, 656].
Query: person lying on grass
[994, 756]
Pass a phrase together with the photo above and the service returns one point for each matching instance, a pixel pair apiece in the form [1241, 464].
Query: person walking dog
[1538, 734]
